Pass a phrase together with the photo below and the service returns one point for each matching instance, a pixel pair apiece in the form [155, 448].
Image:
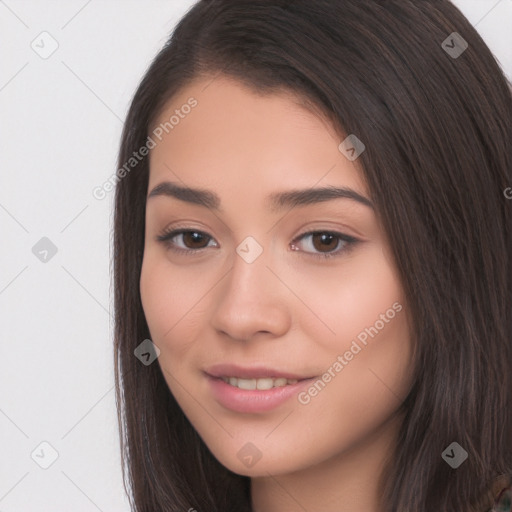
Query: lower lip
[253, 400]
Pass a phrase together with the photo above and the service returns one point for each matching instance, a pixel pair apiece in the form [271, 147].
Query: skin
[288, 309]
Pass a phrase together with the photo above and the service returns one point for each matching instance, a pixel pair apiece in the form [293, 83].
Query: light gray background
[61, 120]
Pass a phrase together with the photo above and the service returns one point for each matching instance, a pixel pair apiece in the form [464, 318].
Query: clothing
[503, 502]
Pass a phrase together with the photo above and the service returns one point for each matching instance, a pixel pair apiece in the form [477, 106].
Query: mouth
[253, 389]
[254, 377]
[262, 383]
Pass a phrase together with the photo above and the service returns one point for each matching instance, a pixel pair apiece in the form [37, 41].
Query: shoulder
[503, 499]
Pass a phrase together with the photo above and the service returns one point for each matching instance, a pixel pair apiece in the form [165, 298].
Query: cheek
[174, 301]
[157, 300]
[351, 298]
[363, 320]
[166, 295]
[361, 393]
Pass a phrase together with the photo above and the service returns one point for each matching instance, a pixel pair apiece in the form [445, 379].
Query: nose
[251, 300]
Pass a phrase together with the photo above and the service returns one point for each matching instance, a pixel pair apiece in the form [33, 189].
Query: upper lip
[253, 372]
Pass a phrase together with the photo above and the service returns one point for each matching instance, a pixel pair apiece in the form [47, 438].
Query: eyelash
[166, 236]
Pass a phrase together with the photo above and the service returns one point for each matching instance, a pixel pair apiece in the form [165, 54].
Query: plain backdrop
[69, 69]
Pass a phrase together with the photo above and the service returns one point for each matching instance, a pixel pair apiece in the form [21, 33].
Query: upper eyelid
[179, 230]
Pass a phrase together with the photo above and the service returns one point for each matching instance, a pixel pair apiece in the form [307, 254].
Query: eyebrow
[277, 201]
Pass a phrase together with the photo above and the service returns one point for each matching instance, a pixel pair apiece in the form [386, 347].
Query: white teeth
[267, 383]
[246, 383]
[260, 384]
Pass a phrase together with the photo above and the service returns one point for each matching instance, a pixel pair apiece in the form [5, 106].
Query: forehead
[234, 137]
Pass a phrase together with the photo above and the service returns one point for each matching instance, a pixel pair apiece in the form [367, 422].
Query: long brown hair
[437, 127]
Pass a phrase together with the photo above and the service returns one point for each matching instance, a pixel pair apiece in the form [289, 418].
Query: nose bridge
[249, 274]
[250, 250]
[250, 300]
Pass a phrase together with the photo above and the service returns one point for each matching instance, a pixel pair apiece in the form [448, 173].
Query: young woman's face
[304, 290]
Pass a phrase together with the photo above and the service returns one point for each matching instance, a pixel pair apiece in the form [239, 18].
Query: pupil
[196, 237]
[326, 237]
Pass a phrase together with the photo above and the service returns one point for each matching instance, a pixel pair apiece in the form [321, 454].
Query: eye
[193, 237]
[329, 244]
[325, 241]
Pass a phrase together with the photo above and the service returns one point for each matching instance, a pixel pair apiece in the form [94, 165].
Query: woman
[312, 263]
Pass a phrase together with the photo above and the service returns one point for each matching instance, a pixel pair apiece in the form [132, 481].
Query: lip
[253, 401]
[248, 400]
[254, 372]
